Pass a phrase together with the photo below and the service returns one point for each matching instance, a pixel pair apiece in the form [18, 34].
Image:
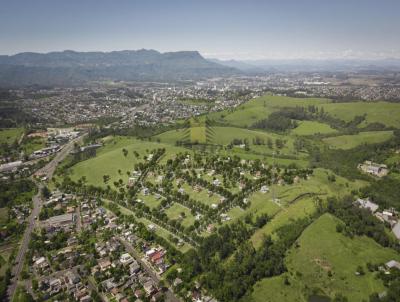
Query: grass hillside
[312, 127]
[377, 112]
[10, 135]
[305, 206]
[259, 108]
[321, 250]
[225, 135]
[110, 159]
[352, 141]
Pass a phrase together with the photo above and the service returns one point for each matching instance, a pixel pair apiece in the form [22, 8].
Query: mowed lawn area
[321, 249]
[311, 128]
[352, 141]
[10, 135]
[110, 159]
[175, 212]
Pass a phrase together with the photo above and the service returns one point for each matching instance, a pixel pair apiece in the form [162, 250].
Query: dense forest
[16, 192]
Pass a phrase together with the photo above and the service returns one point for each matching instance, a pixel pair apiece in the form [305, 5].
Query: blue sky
[248, 29]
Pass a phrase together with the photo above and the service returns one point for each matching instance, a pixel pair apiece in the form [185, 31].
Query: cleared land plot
[311, 128]
[9, 136]
[352, 141]
[175, 211]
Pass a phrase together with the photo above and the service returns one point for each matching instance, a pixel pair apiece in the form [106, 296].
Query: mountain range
[75, 68]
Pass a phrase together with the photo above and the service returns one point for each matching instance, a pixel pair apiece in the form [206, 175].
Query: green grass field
[174, 212]
[110, 159]
[381, 112]
[3, 215]
[311, 128]
[32, 144]
[149, 200]
[198, 135]
[352, 141]
[322, 249]
[201, 196]
[5, 252]
[225, 135]
[10, 135]
[260, 108]
[318, 184]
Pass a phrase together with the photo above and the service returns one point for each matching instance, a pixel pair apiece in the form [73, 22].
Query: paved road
[169, 295]
[48, 170]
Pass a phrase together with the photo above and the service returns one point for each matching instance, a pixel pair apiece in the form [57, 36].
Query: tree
[45, 192]
[106, 178]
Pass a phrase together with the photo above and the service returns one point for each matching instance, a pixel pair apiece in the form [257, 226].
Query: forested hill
[71, 67]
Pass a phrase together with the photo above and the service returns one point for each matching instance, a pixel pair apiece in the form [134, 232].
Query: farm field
[352, 141]
[311, 128]
[10, 135]
[322, 249]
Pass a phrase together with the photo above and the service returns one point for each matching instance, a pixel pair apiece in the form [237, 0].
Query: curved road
[48, 170]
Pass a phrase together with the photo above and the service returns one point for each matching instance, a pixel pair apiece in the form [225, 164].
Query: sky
[244, 30]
